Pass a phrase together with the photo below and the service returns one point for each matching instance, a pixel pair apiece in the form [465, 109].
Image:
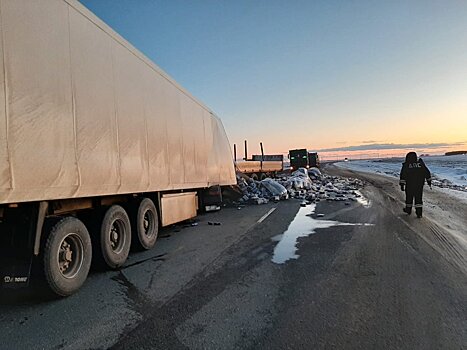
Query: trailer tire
[115, 236]
[147, 224]
[67, 256]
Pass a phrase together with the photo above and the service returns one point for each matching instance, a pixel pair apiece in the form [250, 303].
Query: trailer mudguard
[17, 233]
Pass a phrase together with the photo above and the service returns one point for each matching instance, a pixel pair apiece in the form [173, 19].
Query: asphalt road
[373, 279]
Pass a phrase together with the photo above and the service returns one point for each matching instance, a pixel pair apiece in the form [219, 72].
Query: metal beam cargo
[259, 166]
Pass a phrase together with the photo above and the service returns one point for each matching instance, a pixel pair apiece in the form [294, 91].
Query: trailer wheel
[147, 224]
[67, 256]
[115, 236]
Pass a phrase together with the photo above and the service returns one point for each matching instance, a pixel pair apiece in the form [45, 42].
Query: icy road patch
[303, 225]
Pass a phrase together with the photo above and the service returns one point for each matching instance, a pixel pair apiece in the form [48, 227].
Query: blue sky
[315, 74]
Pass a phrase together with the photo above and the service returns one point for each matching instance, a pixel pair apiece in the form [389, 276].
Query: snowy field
[447, 171]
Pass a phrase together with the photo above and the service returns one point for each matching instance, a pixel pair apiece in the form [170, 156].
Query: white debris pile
[315, 186]
[260, 192]
[274, 188]
[340, 189]
[314, 173]
[308, 185]
[299, 180]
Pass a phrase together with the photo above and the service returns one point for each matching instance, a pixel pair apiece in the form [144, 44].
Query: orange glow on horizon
[351, 154]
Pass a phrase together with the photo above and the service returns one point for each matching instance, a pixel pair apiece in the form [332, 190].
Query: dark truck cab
[301, 158]
[313, 159]
[298, 158]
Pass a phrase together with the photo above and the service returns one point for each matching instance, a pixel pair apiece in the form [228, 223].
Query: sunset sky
[323, 75]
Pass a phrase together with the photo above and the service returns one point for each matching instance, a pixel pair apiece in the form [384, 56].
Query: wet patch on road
[303, 225]
[159, 257]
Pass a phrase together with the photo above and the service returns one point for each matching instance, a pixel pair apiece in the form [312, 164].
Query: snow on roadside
[448, 172]
[461, 195]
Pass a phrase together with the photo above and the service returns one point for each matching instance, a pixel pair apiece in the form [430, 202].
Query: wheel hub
[117, 236]
[114, 236]
[70, 255]
[146, 222]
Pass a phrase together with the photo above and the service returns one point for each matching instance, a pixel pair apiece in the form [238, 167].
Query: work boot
[419, 212]
[407, 210]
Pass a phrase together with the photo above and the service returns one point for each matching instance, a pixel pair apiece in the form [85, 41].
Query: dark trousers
[411, 193]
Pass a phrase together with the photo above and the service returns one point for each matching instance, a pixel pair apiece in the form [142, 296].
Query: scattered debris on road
[308, 185]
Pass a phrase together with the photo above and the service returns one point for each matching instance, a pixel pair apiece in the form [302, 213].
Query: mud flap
[17, 231]
[15, 272]
[210, 199]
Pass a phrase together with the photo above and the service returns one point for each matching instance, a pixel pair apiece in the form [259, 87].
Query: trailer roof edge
[78, 6]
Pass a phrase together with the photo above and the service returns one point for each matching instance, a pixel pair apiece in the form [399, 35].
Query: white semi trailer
[98, 146]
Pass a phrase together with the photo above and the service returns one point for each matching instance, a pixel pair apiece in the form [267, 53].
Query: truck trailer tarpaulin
[98, 146]
[83, 113]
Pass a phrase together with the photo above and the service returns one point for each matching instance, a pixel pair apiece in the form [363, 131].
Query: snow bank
[447, 171]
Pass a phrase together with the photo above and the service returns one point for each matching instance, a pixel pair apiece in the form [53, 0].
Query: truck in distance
[298, 158]
[313, 160]
[301, 158]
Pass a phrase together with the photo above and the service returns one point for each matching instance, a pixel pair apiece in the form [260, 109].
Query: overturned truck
[98, 146]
